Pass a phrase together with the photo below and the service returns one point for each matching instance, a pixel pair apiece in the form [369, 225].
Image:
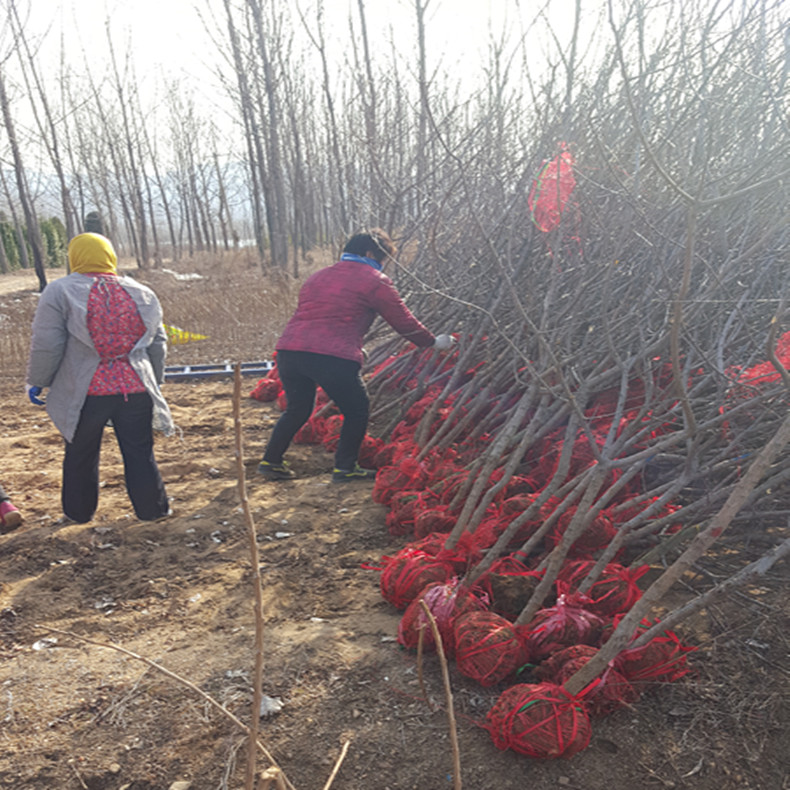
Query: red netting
[312, 432]
[369, 451]
[282, 401]
[267, 389]
[434, 519]
[615, 591]
[487, 647]
[562, 625]
[447, 488]
[462, 556]
[404, 506]
[596, 536]
[663, 659]
[406, 574]
[539, 720]
[549, 667]
[510, 585]
[332, 427]
[446, 601]
[408, 474]
[605, 695]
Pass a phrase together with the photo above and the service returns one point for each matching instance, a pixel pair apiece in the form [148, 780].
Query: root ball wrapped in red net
[267, 390]
[566, 623]
[539, 720]
[406, 574]
[615, 591]
[368, 452]
[597, 535]
[433, 519]
[488, 648]
[602, 697]
[445, 601]
[662, 660]
[403, 510]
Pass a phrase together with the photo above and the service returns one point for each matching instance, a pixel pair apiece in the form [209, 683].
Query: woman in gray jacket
[99, 345]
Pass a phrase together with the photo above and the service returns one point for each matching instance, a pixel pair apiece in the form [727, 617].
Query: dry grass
[241, 310]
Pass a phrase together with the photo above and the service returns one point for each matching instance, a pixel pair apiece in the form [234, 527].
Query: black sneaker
[279, 471]
[357, 473]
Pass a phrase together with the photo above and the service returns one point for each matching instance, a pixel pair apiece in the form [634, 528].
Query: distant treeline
[15, 250]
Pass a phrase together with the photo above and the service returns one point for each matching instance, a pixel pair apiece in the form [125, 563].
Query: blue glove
[33, 393]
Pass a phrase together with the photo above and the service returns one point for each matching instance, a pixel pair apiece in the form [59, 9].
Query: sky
[169, 37]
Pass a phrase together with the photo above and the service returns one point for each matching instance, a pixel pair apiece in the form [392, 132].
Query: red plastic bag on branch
[566, 623]
[446, 601]
[539, 720]
[406, 574]
[488, 648]
[615, 591]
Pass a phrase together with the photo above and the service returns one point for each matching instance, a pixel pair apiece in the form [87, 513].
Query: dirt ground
[179, 592]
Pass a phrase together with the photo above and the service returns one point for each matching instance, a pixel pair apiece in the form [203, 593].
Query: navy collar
[347, 256]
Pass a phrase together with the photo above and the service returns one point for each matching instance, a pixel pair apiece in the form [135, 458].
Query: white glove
[443, 342]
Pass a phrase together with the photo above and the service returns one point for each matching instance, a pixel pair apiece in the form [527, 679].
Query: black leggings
[301, 372]
[131, 417]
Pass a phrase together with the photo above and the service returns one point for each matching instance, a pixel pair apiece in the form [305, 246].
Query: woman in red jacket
[322, 346]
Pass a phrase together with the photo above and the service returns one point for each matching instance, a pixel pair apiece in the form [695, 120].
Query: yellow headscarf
[90, 253]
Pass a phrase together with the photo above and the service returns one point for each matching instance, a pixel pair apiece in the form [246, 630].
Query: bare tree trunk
[31, 221]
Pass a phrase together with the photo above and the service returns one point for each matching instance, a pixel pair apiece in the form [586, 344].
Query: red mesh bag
[267, 390]
[562, 625]
[510, 585]
[282, 401]
[446, 601]
[539, 720]
[312, 432]
[433, 519]
[615, 591]
[409, 474]
[403, 511]
[488, 648]
[462, 556]
[662, 660]
[332, 427]
[548, 668]
[606, 694]
[596, 536]
[369, 451]
[602, 697]
[406, 574]
[447, 489]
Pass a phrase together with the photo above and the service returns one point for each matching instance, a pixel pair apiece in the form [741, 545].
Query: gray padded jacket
[63, 357]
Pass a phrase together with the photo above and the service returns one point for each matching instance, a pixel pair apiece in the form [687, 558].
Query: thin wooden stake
[448, 693]
[257, 693]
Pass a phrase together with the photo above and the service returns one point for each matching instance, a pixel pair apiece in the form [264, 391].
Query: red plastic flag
[551, 189]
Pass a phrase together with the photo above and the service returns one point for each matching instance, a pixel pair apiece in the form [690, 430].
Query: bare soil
[180, 592]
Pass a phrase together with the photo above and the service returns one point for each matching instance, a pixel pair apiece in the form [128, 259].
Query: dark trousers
[131, 417]
[301, 372]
